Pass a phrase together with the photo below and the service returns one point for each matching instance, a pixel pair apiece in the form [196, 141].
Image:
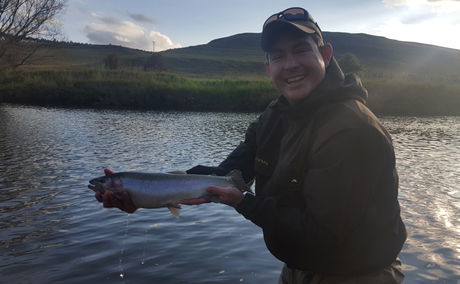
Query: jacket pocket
[290, 189]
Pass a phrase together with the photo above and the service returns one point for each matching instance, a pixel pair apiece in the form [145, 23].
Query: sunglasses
[291, 14]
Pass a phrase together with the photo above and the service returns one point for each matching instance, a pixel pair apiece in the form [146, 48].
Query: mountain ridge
[377, 54]
[401, 77]
[240, 56]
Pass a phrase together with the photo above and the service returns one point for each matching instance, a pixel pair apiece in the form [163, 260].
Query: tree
[22, 21]
[350, 63]
[154, 62]
[112, 61]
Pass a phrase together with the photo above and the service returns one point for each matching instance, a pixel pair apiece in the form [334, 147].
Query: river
[53, 231]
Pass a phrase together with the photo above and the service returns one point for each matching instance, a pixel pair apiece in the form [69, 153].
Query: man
[326, 184]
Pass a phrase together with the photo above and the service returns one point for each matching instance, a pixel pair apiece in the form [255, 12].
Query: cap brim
[273, 30]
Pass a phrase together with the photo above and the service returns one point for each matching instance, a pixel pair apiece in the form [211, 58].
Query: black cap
[281, 21]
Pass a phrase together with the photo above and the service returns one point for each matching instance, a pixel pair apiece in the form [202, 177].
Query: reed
[100, 88]
[133, 89]
[397, 97]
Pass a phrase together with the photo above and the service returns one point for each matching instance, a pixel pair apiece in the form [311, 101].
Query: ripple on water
[52, 228]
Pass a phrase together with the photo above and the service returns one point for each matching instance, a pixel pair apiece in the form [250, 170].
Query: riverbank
[99, 88]
[132, 89]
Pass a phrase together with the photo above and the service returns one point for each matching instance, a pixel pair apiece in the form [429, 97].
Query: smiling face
[297, 65]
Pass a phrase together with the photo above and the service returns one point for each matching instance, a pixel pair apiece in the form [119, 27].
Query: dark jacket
[326, 183]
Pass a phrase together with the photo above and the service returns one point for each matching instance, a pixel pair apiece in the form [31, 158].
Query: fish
[157, 190]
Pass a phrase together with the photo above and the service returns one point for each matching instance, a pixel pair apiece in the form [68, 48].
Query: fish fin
[175, 210]
[177, 172]
[237, 178]
[108, 172]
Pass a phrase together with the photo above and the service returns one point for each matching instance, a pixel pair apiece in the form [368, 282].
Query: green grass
[413, 98]
[133, 89]
[102, 88]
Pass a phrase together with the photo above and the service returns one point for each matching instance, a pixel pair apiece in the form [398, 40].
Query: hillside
[388, 58]
[403, 78]
[239, 56]
[380, 57]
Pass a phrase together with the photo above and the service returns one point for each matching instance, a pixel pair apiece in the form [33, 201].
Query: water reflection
[52, 228]
[428, 156]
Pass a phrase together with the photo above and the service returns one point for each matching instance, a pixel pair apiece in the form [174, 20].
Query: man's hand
[116, 199]
[227, 195]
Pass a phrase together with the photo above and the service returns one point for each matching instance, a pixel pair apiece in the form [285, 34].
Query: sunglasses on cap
[291, 14]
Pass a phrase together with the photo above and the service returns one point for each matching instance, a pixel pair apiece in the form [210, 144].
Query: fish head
[112, 182]
[100, 184]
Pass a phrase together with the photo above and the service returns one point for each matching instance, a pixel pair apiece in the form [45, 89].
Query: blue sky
[181, 23]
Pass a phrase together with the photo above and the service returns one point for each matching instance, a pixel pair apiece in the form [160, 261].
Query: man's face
[297, 65]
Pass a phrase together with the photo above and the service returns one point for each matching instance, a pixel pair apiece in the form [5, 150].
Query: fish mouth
[95, 185]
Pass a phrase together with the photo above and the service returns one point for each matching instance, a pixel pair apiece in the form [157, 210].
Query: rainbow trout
[156, 190]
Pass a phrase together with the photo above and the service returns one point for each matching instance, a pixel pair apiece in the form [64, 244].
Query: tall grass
[102, 88]
[413, 97]
[131, 89]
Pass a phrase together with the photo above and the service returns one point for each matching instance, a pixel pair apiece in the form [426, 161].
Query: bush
[112, 61]
[350, 63]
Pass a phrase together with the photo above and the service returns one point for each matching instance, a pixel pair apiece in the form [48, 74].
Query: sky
[165, 24]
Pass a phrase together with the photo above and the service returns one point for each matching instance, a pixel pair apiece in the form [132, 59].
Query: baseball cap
[296, 17]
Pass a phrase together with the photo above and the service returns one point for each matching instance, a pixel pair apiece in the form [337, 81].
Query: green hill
[381, 57]
[387, 58]
[240, 56]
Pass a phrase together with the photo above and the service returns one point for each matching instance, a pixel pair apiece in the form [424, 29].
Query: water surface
[53, 231]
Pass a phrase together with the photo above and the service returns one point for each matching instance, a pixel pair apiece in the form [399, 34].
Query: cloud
[141, 18]
[426, 31]
[429, 21]
[418, 11]
[160, 41]
[416, 2]
[395, 2]
[418, 18]
[105, 19]
[110, 30]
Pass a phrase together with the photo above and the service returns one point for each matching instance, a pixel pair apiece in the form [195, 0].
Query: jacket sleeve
[338, 190]
[241, 158]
